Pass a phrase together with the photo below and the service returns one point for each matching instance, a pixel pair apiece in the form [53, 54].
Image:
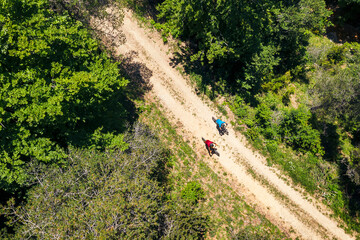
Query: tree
[54, 85]
[297, 132]
[114, 194]
[336, 91]
[349, 2]
[101, 16]
[247, 42]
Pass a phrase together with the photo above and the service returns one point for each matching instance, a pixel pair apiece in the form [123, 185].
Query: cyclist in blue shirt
[220, 123]
[221, 126]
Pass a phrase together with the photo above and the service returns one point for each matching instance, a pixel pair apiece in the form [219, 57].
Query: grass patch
[222, 109]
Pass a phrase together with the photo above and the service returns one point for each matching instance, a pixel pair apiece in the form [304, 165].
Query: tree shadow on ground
[202, 74]
[346, 23]
[112, 116]
[351, 191]
[330, 141]
[162, 171]
[145, 8]
[138, 74]
[119, 112]
[212, 80]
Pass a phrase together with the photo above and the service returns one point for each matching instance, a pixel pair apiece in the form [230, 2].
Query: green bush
[268, 116]
[296, 131]
[121, 193]
[336, 54]
[239, 107]
[192, 192]
[275, 84]
[251, 233]
[252, 133]
[272, 147]
[270, 133]
[263, 115]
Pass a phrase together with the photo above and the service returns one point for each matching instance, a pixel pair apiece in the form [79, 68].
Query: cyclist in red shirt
[210, 146]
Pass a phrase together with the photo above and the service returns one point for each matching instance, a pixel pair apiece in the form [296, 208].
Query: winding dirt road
[284, 205]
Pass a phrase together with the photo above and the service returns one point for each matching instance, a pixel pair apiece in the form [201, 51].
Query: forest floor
[285, 205]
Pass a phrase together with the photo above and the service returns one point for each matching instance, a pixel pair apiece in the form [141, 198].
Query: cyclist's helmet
[212, 145]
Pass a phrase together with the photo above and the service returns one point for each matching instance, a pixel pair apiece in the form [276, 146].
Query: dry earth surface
[284, 205]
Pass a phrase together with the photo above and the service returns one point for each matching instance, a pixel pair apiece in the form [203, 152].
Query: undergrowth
[292, 138]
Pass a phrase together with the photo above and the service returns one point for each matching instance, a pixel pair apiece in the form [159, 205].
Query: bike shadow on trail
[219, 131]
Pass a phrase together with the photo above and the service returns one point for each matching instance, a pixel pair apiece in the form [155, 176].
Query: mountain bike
[212, 150]
[221, 130]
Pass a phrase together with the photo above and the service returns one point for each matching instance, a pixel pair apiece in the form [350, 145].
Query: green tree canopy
[107, 195]
[54, 85]
[247, 41]
[336, 90]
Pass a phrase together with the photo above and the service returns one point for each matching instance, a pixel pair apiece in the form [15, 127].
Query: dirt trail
[292, 210]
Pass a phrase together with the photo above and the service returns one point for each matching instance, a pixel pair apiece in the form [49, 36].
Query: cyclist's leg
[208, 149]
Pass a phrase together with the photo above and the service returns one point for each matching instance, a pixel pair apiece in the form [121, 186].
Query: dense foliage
[337, 88]
[245, 42]
[54, 86]
[336, 103]
[116, 194]
[65, 158]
